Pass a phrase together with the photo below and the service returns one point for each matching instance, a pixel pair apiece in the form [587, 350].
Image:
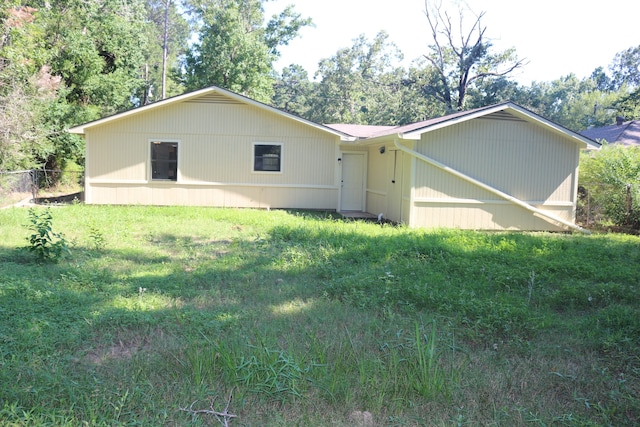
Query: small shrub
[97, 238]
[47, 245]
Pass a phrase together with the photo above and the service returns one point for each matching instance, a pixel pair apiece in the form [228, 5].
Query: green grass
[305, 319]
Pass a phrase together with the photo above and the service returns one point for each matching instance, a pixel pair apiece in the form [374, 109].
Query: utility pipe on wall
[489, 188]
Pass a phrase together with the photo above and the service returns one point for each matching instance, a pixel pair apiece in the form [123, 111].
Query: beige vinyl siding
[525, 161]
[221, 196]
[377, 176]
[407, 188]
[215, 158]
[481, 216]
[392, 199]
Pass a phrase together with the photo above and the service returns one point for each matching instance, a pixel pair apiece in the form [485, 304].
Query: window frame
[253, 158]
[159, 141]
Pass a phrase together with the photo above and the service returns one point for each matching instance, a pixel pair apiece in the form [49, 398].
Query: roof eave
[343, 137]
[81, 129]
[526, 115]
[416, 134]
[517, 111]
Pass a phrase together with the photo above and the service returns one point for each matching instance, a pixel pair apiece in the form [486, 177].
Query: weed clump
[46, 244]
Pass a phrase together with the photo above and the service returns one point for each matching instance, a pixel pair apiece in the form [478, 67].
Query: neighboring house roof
[81, 129]
[414, 130]
[626, 134]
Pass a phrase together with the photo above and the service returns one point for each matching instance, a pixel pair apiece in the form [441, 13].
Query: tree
[459, 65]
[492, 91]
[97, 49]
[626, 68]
[602, 81]
[22, 140]
[357, 84]
[628, 106]
[612, 177]
[235, 50]
[574, 103]
[293, 91]
[168, 37]
[283, 28]
[65, 62]
[26, 88]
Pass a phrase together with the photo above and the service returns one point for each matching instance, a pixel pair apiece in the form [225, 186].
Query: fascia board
[416, 134]
[582, 141]
[244, 99]
[80, 130]
[517, 111]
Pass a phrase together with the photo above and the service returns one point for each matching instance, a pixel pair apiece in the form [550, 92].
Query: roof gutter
[484, 186]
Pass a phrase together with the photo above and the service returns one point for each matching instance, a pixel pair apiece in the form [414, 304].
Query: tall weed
[46, 244]
[428, 380]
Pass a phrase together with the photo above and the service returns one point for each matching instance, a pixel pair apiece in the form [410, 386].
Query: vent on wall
[213, 98]
[503, 115]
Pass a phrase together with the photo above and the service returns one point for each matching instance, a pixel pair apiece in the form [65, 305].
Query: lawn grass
[305, 319]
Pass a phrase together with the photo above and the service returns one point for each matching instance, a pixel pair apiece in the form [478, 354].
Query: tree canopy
[65, 62]
[234, 47]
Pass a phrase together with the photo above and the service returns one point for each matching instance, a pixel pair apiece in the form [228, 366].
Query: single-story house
[500, 167]
[625, 133]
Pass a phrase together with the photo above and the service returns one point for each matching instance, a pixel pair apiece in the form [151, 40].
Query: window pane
[267, 157]
[164, 160]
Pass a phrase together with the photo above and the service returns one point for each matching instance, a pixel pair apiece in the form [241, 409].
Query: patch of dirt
[361, 418]
[124, 348]
[28, 200]
[60, 199]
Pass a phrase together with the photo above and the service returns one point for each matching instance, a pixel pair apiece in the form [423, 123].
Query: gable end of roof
[209, 95]
[504, 111]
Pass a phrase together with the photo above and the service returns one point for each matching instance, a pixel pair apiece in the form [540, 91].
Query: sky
[555, 37]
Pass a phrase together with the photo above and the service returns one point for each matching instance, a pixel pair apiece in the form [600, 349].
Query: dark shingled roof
[627, 134]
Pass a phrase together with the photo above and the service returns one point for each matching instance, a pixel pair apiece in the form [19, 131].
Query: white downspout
[484, 186]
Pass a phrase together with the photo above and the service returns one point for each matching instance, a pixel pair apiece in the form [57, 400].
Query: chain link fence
[40, 185]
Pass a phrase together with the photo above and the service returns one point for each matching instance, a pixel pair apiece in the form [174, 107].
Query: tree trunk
[165, 49]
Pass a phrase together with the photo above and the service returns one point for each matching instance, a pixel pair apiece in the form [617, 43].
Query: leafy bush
[47, 245]
[611, 176]
[97, 238]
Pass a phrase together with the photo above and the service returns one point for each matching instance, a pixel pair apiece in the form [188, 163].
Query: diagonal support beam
[487, 187]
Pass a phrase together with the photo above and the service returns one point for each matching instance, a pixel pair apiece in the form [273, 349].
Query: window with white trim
[267, 157]
[164, 160]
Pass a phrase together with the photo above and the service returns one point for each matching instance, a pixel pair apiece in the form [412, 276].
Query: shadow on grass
[496, 285]
[158, 316]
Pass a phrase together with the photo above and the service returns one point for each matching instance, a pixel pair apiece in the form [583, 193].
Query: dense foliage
[235, 49]
[610, 177]
[66, 62]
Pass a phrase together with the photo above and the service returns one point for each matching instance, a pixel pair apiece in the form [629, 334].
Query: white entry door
[353, 179]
